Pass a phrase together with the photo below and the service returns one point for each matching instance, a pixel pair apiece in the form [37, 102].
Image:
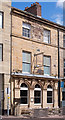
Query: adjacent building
[34, 68]
[5, 53]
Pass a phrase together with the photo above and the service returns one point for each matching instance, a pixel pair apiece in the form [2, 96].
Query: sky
[52, 11]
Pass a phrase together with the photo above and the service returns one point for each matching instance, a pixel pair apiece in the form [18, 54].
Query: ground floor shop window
[49, 94]
[24, 93]
[37, 94]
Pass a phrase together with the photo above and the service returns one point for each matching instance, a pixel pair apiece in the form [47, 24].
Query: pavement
[55, 117]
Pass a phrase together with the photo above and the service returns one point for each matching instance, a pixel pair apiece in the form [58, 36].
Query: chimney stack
[34, 9]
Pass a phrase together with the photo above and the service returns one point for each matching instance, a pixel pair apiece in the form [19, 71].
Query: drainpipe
[10, 56]
[58, 71]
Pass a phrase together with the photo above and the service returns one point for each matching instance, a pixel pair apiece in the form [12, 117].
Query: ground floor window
[63, 95]
[37, 94]
[24, 93]
[49, 94]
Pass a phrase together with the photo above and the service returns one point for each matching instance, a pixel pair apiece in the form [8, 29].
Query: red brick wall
[34, 9]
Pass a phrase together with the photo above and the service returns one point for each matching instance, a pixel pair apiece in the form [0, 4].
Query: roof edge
[48, 22]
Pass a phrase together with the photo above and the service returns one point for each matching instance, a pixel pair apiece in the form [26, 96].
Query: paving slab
[55, 117]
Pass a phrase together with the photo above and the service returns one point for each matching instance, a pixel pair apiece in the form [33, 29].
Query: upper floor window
[1, 52]
[49, 94]
[64, 67]
[63, 40]
[26, 30]
[46, 34]
[26, 62]
[46, 65]
[1, 19]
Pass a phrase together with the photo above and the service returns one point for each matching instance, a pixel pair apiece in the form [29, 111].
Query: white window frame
[26, 27]
[50, 89]
[1, 19]
[64, 67]
[1, 52]
[38, 89]
[63, 100]
[47, 65]
[63, 41]
[24, 89]
[26, 62]
[46, 36]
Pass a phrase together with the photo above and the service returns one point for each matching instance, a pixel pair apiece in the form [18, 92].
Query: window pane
[63, 37]
[49, 93]
[49, 100]
[64, 67]
[64, 64]
[23, 31]
[49, 86]
[0, 20]
[37, 96]
[47, 36]
[46, 70]
[37, 93]
[26, 30]
[26, 57]
[0, 52]
[23, 93]
[46, 61]
[64, 74]
[23, 100]
[63, 40]
[63, 95]
[37, 86]
[63, 43]
[25, 25]
[37, 100]
[26, 67]
[45, 39]
[24, 85]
